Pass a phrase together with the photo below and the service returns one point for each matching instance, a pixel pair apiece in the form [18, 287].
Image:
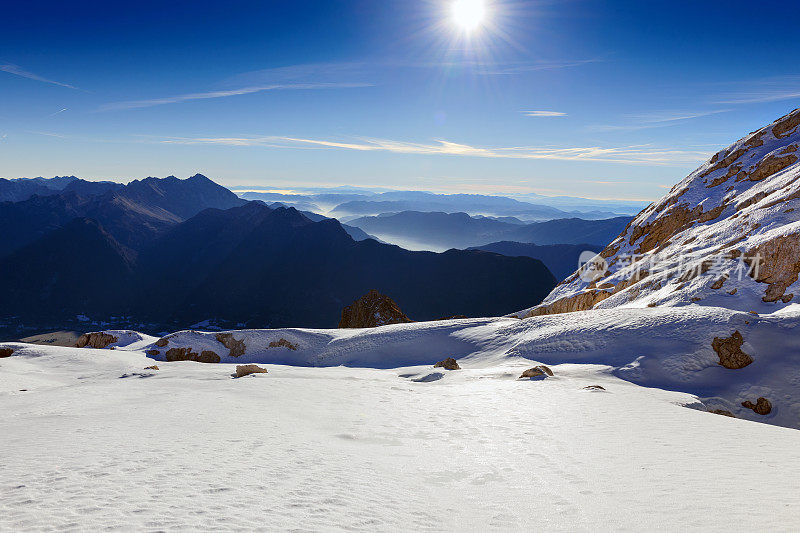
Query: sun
[469, 15]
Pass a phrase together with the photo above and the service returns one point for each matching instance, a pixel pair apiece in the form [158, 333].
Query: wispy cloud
[136, 104]
[544, 114]
[764, 91]
[17, 71]
[58, 112]
[641, 154]
[520, 68]
[657, 119]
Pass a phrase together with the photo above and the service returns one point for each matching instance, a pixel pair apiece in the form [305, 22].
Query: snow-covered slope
[96, 441]
[724, 357]
[728, 235]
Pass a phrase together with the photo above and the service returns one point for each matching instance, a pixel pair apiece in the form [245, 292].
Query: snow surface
[97, 442]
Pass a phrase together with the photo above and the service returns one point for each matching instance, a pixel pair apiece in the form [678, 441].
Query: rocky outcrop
[729, 351]
[236, 347]
[761, 407]
[154, 367]
[186, 354]
[282, 343]
[96, 339]
[372, 310]
[536, 372]
[162, 342]
[246, 370]
[448, 364]
[778, 265]
[6, 352]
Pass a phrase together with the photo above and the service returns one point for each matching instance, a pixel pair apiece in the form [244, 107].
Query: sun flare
[469, 15]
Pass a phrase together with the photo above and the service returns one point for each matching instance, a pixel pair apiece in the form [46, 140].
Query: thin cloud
[641, 154]
[544, 114]
[763, 91]
[658, 119]
[519, 68]
[58, 112]
[17, 71]
[137, 104]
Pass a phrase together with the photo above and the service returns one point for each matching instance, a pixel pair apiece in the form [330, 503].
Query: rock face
[536, 372]
[761, 407]
[448, 364]
[733, 222]
[372, 310]
[96, 339]
[6, 352]
[246, 370]
[237, 348]
[186, 354]
[730, 351]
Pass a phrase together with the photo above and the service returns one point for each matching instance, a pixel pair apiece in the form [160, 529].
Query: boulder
[96, 339]
[154, 367]
[761, 407]
[181, 354]
[537, 371]
[448, 364]
[6, 352]
[246, 370]
[236, 347]
[372, 310]
[207, 356]
[730, 351]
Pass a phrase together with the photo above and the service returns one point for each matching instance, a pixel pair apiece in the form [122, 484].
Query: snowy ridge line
[666, 348]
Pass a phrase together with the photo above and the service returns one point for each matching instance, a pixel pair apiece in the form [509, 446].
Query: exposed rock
[282, 343]
[448, 364]
[730, 351]
[594, 387]
[181, 354]
[778, 265]
[246, 370]
[372, 310]
[152, 353]
[722, 412]
[154, 367]
[207, 356]
[96, 339]
[787, 124]
[237, 348]
[6, 352]
[579, 302]
[761, 407]
[536, 372]
[772, 165]
[162, 342]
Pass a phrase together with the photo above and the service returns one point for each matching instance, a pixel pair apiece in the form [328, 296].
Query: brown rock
[154, 367]
[448, 364]
[162, 342]
[237, 348]
[372, 310]
[730, 351]
[246, 370]
[96, 339]
[181, 354]
[777, 263]
[722, 412]
[6, 352]
[537, 371]
[207, 356]
[771, 165]
[761, 407]
[787, 124]
[152, 353]
[282, 343]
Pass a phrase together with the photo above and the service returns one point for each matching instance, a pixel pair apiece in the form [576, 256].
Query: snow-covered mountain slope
[726, 358]
[728, 235]
[96, 441]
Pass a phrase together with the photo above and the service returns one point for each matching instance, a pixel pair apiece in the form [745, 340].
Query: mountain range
[175, 252]
[441, 231]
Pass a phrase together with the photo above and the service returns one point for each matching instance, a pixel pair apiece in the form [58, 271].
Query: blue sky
[586, 97]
